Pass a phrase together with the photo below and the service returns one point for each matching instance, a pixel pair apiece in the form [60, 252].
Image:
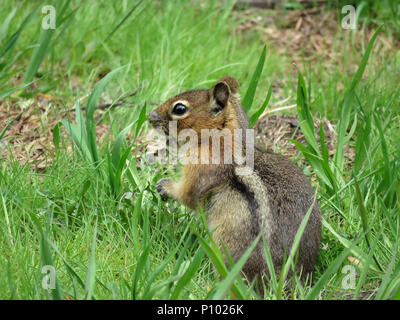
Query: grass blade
[293, 250]
[189, 273]
[11, 42]
[40, 52]
[364, 219]
[305, 117]
[259, 112]
[141, 264]
[251, 90]
[333, 267]
[91, 271]
[135, 6]
[225, 285]
[7, 92]
[48, 261]
[91, 105]
[345, 114]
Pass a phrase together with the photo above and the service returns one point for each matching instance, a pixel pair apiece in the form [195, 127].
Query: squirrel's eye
[179, 109]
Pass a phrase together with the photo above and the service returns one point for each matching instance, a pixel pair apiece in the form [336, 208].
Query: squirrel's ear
[220, 94]
[221, 91]
[231, 82]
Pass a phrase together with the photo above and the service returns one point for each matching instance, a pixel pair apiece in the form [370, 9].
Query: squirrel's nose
[154, 117]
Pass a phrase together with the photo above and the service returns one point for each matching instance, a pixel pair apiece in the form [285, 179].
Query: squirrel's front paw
[162, 188]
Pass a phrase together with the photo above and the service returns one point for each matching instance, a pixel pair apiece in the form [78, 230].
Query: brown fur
[273, 199]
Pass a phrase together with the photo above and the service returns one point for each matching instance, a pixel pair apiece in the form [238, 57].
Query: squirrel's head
[215, 108]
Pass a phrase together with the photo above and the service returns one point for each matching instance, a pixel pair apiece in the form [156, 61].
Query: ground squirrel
[273, 198]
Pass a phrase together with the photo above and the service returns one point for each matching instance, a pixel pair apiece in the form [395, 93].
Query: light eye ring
[179, 109]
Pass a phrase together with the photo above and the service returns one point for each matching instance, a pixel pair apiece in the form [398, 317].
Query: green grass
[94, 213]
